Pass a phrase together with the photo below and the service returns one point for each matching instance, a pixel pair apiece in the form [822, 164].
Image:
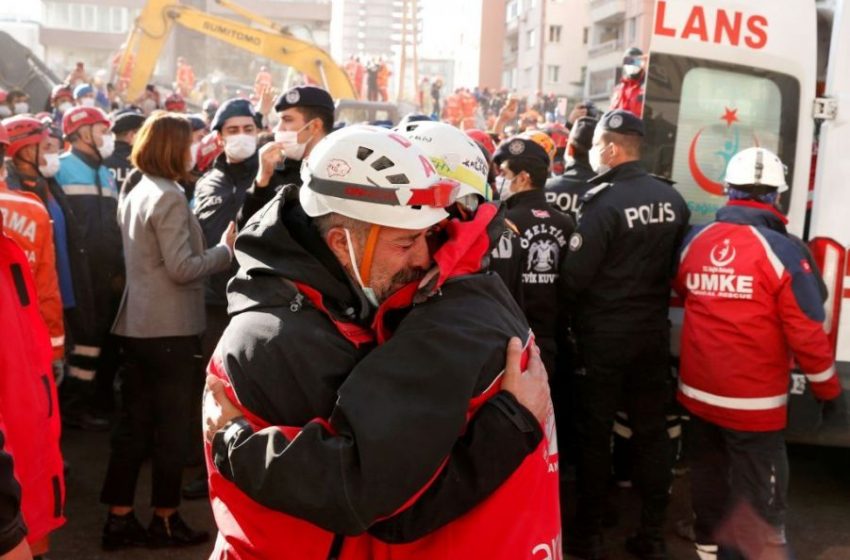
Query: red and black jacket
[298, 356]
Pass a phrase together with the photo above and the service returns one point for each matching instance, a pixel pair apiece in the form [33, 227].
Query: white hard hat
[756, 167]
[454, 155]
[376, 176]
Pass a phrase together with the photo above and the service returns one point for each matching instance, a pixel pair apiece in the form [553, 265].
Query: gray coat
[166, 259]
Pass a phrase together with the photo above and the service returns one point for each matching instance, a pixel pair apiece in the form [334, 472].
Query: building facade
[615, 25]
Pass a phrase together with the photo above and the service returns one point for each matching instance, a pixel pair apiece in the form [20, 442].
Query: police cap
[517, 147]
[582, 132]
[237, 107]
[305, 96]
[622, 122]
[127, 120]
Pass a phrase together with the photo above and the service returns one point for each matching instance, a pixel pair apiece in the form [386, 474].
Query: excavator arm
[154, 24]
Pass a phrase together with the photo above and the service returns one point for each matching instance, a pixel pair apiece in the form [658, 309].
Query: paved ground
[819, 524]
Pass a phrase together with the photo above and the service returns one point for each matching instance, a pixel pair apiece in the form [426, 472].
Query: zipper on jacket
[296, 302]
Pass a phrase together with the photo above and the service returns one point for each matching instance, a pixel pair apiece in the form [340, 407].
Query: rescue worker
[185, 80]
[616, 279]
[175, 103]
[84, 96]
[27, 223]
[382, 79]
[544, 233]
[629, 93]
[452, 111]
[125, 124]
[751, 299]
[31, 170]
[385, 424]
[469, 109]
[18, 102]
[93, 197]
[564, 192]
[305, 117]
[28, 408]
[61, 99]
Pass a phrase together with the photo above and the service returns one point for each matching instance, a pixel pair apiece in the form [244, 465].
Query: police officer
[543, 231]
[306, 115]
[617, 279]
[563, 192]
[125, 124]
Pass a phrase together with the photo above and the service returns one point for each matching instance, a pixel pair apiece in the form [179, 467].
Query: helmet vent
[382, 163]
[364, 152]
[400, 179]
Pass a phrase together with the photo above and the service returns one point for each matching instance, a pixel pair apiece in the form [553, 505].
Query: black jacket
[12, 527]
[219, 196]
[618, 271]
[544, 234]
[397, 409]
[564, 192]
[119, 162]
[257, 197]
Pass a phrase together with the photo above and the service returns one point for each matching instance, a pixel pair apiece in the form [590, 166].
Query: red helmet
[76, 117]
[23, 131]
[209, 149]
[4, 136]
[482, 138]
[60, 91]
[175, 102]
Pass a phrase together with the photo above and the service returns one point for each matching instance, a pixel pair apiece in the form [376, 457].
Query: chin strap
[363, 271]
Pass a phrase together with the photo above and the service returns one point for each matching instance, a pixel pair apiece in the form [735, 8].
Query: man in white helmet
[334, 436]
[751, 300]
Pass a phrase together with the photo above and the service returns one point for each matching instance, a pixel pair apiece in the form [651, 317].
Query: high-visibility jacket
[751, 302]
[27, 222]
[28, 403]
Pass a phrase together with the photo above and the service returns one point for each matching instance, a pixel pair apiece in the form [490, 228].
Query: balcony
[614, 45]
[601, 10]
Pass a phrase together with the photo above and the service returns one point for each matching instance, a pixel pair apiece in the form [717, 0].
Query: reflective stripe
[89, 351]
[778, 267]
[88, 190]
[80, 373]
[11, 197]
[736, 403]
[57, 340]
[822, 376]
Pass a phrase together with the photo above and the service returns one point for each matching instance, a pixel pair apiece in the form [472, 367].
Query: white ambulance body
[725, 75]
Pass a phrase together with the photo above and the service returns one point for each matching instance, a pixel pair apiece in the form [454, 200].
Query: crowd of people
[415, 338]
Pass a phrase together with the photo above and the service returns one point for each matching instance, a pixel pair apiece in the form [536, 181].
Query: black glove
[835, 412]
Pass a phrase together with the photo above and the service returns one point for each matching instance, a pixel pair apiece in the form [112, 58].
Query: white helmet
[756, 167]
[376, 176]
[455, 156]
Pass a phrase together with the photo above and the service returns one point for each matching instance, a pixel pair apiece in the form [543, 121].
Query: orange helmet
[23, 131]
[543, 140]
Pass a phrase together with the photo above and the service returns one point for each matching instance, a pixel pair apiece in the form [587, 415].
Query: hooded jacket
[28, 405]
[345, 419]
[751, 300]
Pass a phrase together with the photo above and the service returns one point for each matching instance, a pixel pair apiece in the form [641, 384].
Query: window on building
[531, 38]
[511, 10]
[554, 33]
[585, 33]
[553, 73]
[526, 77]
[632, 30]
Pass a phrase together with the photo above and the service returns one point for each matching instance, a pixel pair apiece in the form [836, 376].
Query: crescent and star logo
[722, 255]
[730, 147]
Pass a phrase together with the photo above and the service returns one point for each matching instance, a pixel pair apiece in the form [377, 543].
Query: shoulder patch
[591, 194]
[576, 242]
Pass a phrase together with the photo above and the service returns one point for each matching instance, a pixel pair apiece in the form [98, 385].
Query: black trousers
[632, 371]
[739, 488]
[159, 383]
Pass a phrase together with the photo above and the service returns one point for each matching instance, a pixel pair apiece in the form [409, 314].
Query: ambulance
[725, 75]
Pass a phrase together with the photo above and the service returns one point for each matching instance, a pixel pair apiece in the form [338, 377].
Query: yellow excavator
[266, 38]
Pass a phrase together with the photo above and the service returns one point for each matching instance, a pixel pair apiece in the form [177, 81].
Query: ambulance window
[699, 114]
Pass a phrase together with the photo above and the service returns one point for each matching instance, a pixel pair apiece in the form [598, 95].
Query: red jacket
[751, 303]
[28, 404]
[628, 95]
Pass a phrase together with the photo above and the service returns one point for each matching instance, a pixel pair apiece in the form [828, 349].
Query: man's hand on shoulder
[529, 387]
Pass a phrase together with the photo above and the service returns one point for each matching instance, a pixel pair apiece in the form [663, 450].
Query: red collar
[759, 206]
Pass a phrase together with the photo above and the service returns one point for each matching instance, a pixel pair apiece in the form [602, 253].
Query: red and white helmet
[175, 102]
[23, 131]
[376, 176]
[455, 156]
[209, 148]
[79, 116]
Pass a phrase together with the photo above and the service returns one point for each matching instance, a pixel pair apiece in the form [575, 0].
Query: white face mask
[240, 146]
[503, 185]
[22, 107]
[594, 156]
[368, 292]
[107, 145]
[5, 111]
[632, 70]
[193, 156]
[64, 106]
[87, 101]
[292, 148]
[51, 165]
